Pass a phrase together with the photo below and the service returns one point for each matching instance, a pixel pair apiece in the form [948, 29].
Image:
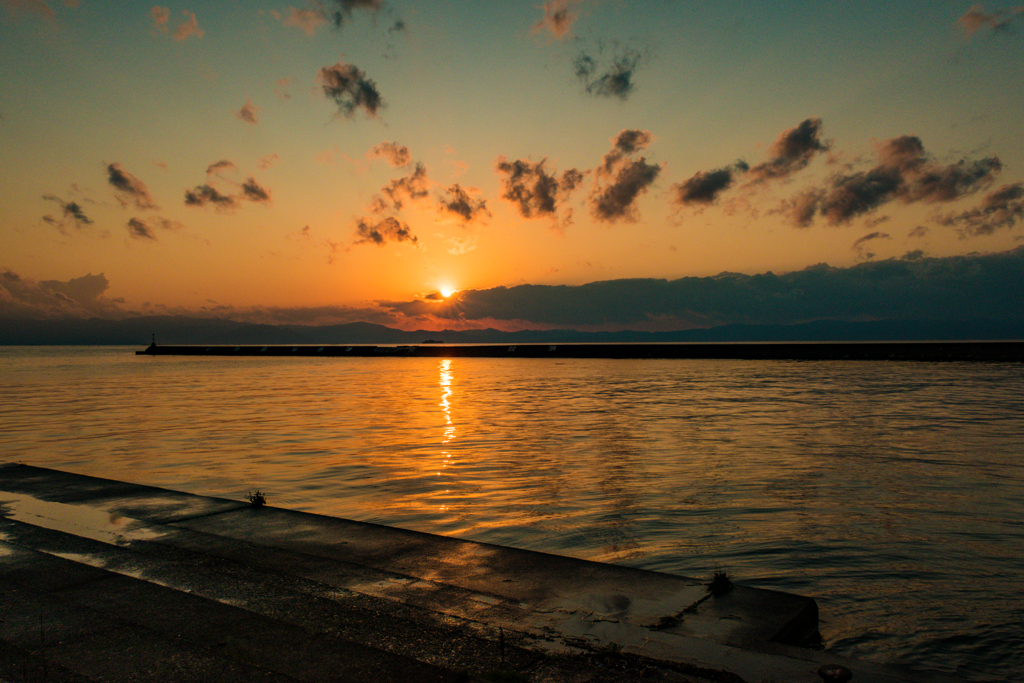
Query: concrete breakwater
[106, 580]
[979, 351]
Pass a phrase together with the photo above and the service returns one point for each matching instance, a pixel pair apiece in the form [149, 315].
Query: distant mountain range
[185, 330]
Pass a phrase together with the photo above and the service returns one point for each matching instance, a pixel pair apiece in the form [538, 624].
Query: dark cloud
[559, 16]
[1002, 208]
[395, 154]
[791, 152]
[704, 187]
[534, 190]
[218, 166]
[350, 89]
[71, 211]
[949, 288]
[344, 8]
[389, 229]
[413, 186]
[252, 191]
[999, 21]
[138, 229]
[80, 297]
[129, 188]
[398, 27]
[204, 194]
[613, 80]
[858, 246]
[457, 202]
[248, 112]
[904, 172]
[619, 181]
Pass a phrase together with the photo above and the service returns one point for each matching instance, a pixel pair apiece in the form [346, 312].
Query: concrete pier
[984, 351]
[106, 580]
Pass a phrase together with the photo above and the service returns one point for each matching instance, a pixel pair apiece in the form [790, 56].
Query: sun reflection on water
[445, 382]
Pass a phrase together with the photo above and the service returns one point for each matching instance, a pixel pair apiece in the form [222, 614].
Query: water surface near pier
[891, 492]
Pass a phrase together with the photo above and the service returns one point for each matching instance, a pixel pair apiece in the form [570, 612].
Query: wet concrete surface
[102, 580]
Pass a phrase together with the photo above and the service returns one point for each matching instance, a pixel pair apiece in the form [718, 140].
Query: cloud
[533, 190]
[309, 20]
[223, 165]
[619, 181]
[161, 18]
[559, 16]
[704, 187]
[1002, 208]
[858, 246]
[950, 288]
[71, 211]
[388, 229]
[413, 186]
[458, 203]
[189, 27]
[614, 80]
[140, 228]
[344, 8]
[248, 112]
[999, 21]
[80, 297]
[350, 89]
[129, 188]
[791, 152]
[904, 171]
[252, 191]
[281, 87]
[395, 154]
[37, 7]
[204, 194]
[267, 161]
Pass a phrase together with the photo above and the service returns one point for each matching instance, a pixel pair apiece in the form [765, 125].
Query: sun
[447, 291]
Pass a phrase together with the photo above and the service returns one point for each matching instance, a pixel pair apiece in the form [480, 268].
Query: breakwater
[980, 351]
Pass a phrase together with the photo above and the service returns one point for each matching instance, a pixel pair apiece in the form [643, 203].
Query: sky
[598, 164]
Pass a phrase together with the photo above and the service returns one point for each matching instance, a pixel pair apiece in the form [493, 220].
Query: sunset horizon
[572, 163]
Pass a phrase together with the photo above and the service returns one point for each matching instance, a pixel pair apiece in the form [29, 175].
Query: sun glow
[447, 291]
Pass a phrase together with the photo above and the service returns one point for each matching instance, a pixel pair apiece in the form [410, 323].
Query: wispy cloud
[129, 188]
[350, 89]
[619, 181]
[395, 154]
[458, 202]
[189, 27]
[534, 190]
[161, 18]
[248, 112]
[905, 172]
[1003, 208]
[559, 16]
[70, 212]
[976, 19]
[612, 78]
[380, 232]
[308, 20]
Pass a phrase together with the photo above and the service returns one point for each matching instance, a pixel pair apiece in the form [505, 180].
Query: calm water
[893, 493]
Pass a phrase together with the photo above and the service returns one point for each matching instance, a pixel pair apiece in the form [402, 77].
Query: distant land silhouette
[187, 330]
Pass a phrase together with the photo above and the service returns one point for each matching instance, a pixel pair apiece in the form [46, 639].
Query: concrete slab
[263, 593]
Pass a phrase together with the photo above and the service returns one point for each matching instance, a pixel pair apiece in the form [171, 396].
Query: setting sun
[447, 291]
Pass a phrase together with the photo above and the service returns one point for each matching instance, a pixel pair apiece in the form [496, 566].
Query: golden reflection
[445, 382]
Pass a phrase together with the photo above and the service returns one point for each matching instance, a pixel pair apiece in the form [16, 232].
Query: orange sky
[347, 156]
